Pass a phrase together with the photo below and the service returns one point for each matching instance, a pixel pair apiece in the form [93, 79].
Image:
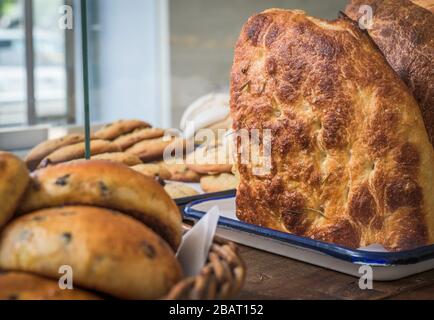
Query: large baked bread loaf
[106, 184]
[427, 4]
[107, 251]
[405, 34]
[351, 160]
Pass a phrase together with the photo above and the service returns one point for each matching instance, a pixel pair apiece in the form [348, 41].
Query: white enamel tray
[386, 266]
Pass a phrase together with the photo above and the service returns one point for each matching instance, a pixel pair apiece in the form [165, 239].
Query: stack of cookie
[111, 229]
[133, 143]
[214, 163]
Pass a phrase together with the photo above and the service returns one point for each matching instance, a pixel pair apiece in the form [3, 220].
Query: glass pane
[50, 71]
[12, 63]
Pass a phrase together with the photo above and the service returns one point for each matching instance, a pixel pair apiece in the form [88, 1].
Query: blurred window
[47, 81]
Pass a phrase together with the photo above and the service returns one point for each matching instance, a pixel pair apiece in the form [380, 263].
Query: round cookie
[178, 190]
[119, 157]
[108, 252]
[109, 185]
[217, 183]
[23, 286]
[13, 184]
[153, 170]
[153, 149]
[77, 151]
[128, 140]
[210, 160]
[35, 156]
[179, 172]
[118, 128]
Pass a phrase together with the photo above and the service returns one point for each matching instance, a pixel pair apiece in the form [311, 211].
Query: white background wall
[127, 61]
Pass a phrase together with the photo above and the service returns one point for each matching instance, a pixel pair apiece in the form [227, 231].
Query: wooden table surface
[273, 277]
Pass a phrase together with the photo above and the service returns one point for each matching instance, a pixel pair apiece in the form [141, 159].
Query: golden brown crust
[153, 149]
[105, 184]
[179, 171]
[220, 182]
[14, 179]
[107, 251]
[118, 128]
[77, 151]
[351, 159]
[126, 141]
[427, 4]
[119, 157]
[152, 170]
[177, 190]
[210, 160]
[23, 286]
[404, 33]
[35, 156]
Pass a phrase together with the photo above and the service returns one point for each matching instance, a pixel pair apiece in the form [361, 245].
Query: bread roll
[106, 184]
[23, 286]
[351, 162]
[107, 251]
[14, 179]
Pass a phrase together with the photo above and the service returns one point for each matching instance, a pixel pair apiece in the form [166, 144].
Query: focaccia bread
[35, 156]
[351, 162]
[405, 34]
[109, 185]
[14, 179]
[114, 130]
[108, 252]
[23, 286]
[427, 4]
[77, 151]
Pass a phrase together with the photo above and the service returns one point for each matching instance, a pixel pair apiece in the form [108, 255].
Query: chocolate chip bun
[109, 185]
[14, 179]
[42, 150]
[118, 128]
[108, 252]
[77, 151]
[23, 286]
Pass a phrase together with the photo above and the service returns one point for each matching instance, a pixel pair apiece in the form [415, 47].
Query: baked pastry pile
[115, 228]
[352, 163]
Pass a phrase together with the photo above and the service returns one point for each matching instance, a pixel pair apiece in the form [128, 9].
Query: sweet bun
[107, 251]
[14, 179]
[106, 184]
[23, 286]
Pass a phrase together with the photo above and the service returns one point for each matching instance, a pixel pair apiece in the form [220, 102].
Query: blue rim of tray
[354, 256]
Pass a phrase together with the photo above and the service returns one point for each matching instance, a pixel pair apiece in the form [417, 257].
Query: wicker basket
[222, 277]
